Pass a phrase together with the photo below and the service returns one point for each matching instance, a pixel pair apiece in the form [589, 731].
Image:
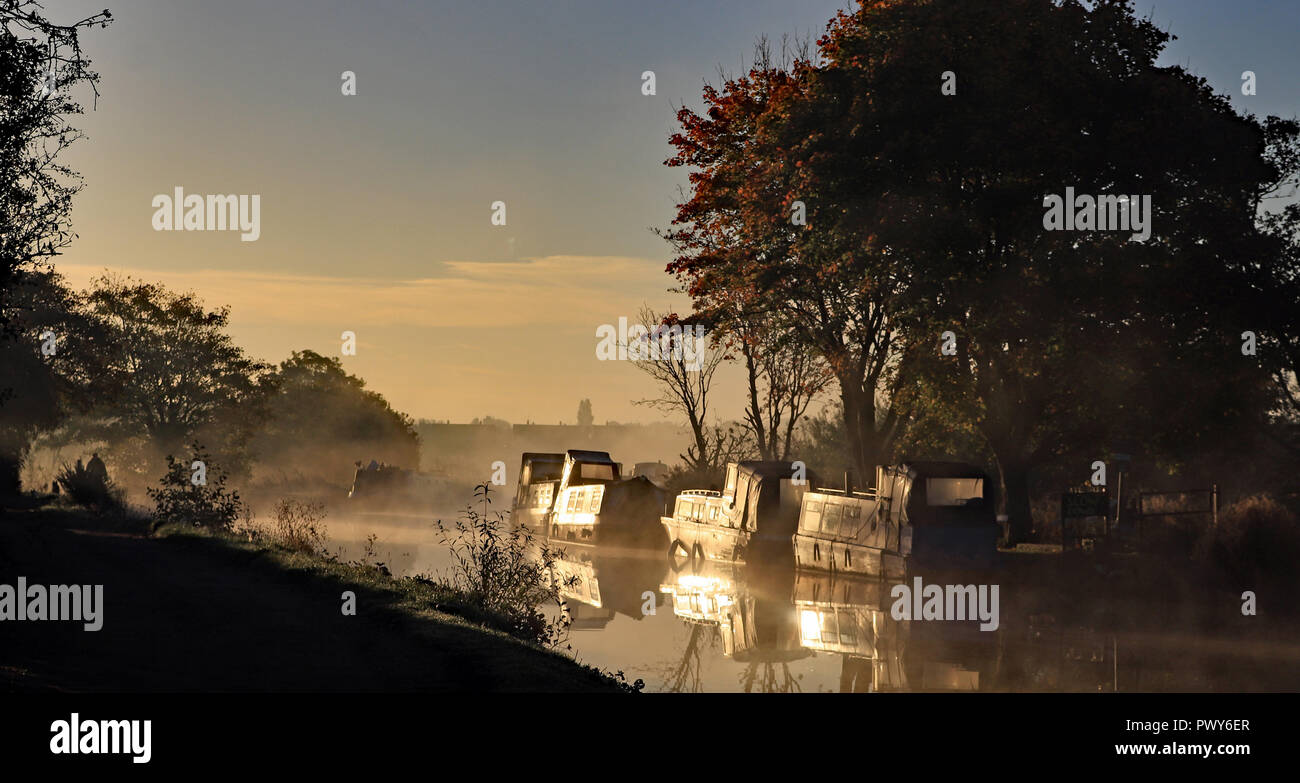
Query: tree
[585, 419]
[1064, 338]
[173, 372]
[54, 352]
[681, 364]
[40, 65]
[741, 248]
[925, 214]
[782, 380]
[320, 420]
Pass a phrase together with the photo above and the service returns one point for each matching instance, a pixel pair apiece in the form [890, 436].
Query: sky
[376, 208]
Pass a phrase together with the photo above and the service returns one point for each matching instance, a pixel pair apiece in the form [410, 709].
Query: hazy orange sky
[375, 208]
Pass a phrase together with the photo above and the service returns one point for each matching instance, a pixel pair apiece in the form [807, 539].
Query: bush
[502, 569]
[1257, 540]
[181, 498]
[89, 489]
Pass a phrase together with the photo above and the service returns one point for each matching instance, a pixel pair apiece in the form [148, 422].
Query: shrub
[178, 499]
[1257, 539]
[500, 567]
[88, 489]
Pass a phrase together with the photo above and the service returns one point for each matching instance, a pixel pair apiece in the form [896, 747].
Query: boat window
[596, 471]
[829, 633]
[810, 625]
[848, 628]
[811, 518]
[594, 503]
[953, 491]
[831, 521]
[713, 513]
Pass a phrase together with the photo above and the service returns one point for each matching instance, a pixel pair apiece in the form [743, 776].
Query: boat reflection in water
[852, 617]
[746, 612]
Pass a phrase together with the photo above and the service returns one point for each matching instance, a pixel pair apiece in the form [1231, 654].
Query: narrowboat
[753, 515]
[919, 513]
[588, 502]
[539, 478]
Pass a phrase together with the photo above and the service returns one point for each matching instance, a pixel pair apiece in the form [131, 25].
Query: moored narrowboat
[582, 498]
[919, 513]
[753, 515]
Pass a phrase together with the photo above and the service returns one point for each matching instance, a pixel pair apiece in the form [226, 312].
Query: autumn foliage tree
[925, 212]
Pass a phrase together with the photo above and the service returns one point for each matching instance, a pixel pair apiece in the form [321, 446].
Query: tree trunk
[10, 478]
[755, 414]
[860, 422]
[1015, 489]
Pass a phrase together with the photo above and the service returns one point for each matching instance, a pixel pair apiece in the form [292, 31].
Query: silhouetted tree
[925, 214]
[173, 370]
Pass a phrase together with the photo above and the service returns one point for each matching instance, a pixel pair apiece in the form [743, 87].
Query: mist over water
[769, 627]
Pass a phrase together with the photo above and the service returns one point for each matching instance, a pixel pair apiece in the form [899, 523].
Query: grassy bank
[187, 609]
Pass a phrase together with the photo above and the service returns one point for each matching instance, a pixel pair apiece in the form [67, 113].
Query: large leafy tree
[745, 255]
[173, 372]
[925, 215]
[1067, 341]
[55, 352]
[320, 419]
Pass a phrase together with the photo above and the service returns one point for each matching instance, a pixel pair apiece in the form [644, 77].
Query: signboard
[1084, 504]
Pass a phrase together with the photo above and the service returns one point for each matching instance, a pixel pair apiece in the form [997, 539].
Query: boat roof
[543, 456]
[578, 455]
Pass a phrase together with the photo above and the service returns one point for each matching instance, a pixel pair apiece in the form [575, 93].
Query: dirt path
[185, 615]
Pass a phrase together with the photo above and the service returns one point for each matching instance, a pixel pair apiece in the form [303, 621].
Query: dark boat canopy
[938, 469]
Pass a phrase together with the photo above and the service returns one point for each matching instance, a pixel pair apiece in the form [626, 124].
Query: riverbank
[189, 610]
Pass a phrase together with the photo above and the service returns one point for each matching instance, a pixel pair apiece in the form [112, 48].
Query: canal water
[1065, 623]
